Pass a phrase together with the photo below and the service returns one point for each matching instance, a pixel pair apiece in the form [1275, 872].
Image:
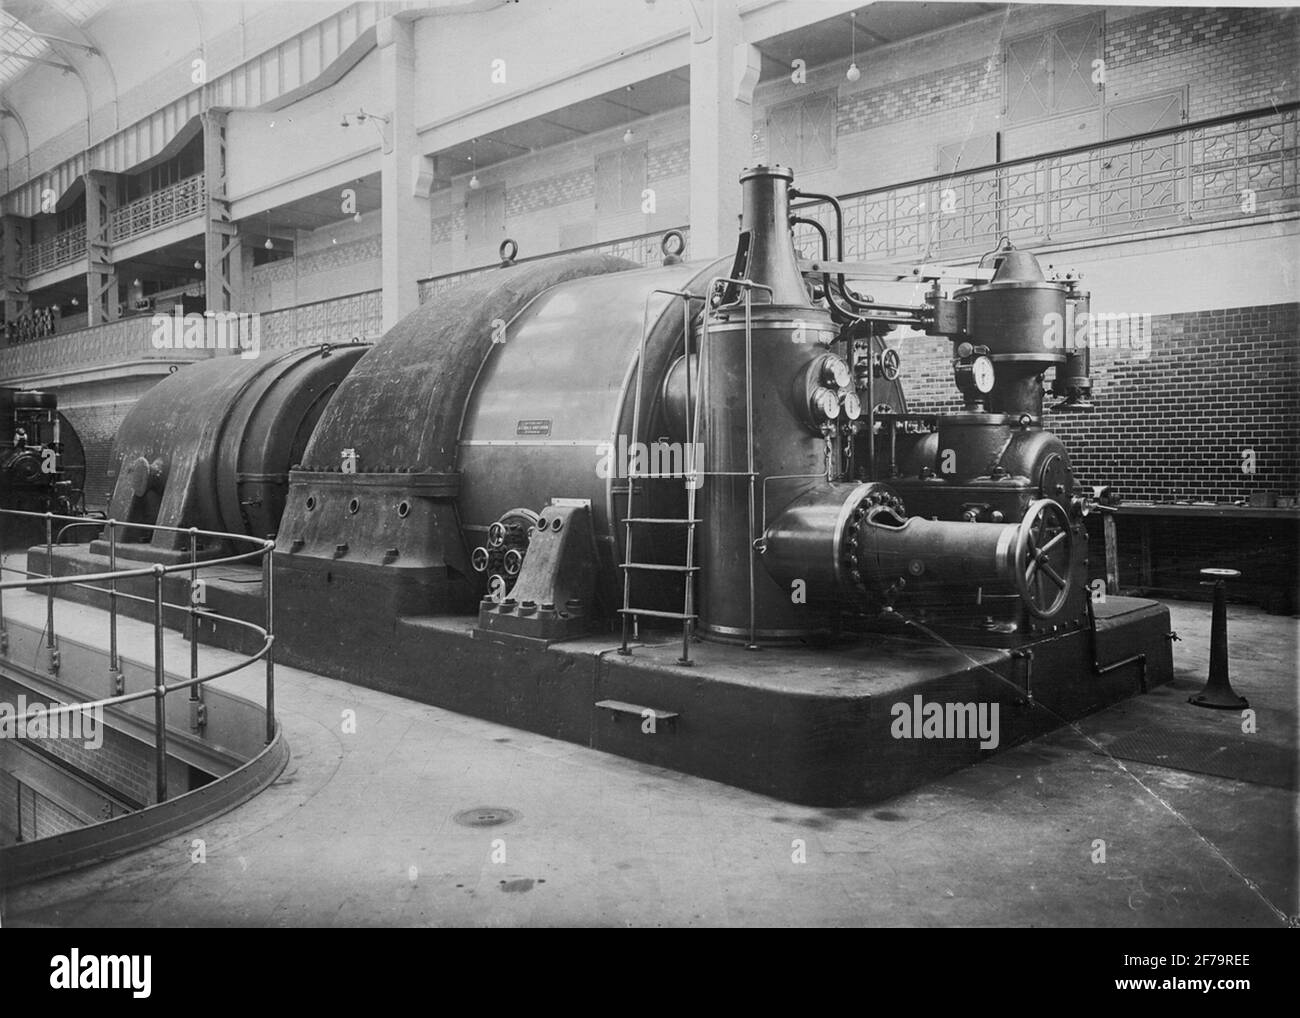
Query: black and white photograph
[649, 464]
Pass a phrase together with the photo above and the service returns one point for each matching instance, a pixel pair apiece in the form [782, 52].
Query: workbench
[1148, 514]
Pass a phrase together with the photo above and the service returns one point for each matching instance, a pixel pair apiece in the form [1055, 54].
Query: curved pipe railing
[158, 571]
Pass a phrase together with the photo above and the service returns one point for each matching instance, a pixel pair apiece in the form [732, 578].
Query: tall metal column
[14, 236]
[101, 275]
[223, 264]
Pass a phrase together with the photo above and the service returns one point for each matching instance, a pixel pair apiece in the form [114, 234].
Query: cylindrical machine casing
[938, 551]
[809, 540]
[211, 446]
[782, 448]
[846, 541]
[754, 433]
[1012, 319]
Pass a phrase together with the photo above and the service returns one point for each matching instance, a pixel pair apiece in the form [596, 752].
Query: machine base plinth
[838, 725]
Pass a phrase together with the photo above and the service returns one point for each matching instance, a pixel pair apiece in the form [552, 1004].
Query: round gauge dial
[982, 374]
[835, 372]
[852, 406]
[826, 403]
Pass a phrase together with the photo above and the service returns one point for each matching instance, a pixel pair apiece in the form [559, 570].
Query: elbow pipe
[855, 304]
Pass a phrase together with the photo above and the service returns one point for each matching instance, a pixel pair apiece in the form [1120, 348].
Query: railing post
[114, 666]
[269, 598]
[49, 590]
[196, 698]
[159, 689]
[1047, 198]
[4, 635]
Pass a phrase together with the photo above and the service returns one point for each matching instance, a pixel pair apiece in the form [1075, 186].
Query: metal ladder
[687, 570]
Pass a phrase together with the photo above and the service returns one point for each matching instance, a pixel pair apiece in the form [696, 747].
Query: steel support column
[101, 274]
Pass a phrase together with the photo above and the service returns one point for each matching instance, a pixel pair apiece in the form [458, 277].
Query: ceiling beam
[36, 60]
[507, 144]
[563, 127]
[57, 38]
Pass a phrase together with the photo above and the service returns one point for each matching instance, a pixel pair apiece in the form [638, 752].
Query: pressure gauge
[826, 403]
[836, 373]
[982, 374]
[852, 406]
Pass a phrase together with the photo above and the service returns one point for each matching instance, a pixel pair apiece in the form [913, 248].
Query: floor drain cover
[485, 816]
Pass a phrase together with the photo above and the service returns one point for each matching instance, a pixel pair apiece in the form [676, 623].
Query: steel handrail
[206, 613]
[158, 692]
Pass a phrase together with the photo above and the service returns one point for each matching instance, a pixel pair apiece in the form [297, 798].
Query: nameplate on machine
[533, 428]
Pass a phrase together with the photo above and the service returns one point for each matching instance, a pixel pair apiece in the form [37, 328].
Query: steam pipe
[839, 247]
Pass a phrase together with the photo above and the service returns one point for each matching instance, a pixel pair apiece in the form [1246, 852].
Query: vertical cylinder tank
[762, 376]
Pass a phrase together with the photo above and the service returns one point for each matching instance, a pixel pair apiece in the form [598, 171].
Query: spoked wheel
[1044, 558]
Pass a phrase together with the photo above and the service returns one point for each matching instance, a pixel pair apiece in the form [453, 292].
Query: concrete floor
[359, 829]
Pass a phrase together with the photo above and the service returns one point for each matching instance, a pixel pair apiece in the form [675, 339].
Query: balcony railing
[338, 320]
[642, 248]
[184, 199]
[1229, 169]
[61, 249]
[111, 345]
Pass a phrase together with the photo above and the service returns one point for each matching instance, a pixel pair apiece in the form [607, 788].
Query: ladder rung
[658, 519]
[654, 567]
[656, 614]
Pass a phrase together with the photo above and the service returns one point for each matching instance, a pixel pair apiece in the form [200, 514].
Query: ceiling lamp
[629, 134]
[853, 74]
[473, 163]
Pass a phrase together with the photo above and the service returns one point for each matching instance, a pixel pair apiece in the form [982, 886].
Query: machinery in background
[42, 463]
[211, 446]
[712, 460]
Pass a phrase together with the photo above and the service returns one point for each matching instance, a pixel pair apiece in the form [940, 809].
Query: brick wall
[1173, 425]
[97, 426]
[40, 816]
[96, 411]
[951, 88]
[1231, 58]
[336, 260]
[563, 189]
[120, 763]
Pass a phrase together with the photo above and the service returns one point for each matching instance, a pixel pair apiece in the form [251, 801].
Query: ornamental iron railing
[182, 200]
[1229, 169]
